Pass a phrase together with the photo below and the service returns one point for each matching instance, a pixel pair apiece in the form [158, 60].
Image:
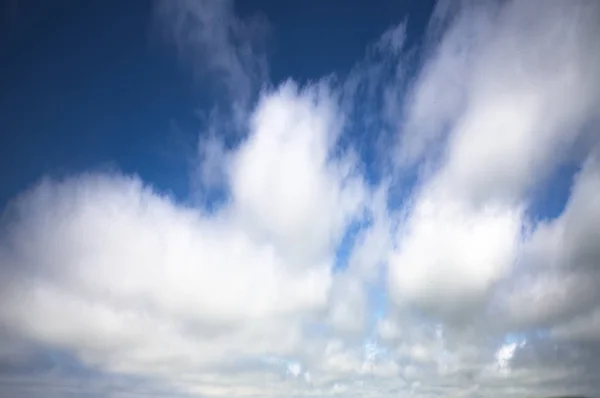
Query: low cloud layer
[310, 276]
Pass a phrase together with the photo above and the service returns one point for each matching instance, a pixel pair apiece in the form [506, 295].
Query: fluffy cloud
[283, 182]
[561, 265]
[528, 92]
[310, 276]
[132, 282]
[449, 255]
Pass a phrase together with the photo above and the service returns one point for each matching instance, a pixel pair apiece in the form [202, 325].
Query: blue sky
[91, 85]
[249, 198]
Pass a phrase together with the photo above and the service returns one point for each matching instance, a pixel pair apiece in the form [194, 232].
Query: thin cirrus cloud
[459, 290]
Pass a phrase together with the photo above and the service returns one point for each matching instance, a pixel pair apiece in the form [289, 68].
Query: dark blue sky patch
[86, 85]
[550, 199]
[338, 35]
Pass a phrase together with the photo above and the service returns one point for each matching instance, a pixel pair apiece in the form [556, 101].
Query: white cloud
[528, 92]
[505, 354]
[132, 282]
[348, 310]
[283, 180]
[450, 255]
[248, 299]
[561, 260]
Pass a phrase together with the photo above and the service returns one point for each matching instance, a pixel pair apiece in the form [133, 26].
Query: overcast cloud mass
[378, 233]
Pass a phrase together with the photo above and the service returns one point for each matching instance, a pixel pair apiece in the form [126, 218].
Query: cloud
[216, 42]
[282, 179]
[374, 234]
[449, 256]
[529, 91]
[132, 282]
[561, 261]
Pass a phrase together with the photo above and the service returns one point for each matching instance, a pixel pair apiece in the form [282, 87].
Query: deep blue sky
[90, 84]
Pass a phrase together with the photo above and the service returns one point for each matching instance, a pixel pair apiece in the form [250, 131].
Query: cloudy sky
[205, 198]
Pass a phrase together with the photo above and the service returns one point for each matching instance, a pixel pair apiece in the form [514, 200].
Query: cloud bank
[311, 277]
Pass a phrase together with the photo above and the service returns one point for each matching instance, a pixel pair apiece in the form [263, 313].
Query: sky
[210, 198]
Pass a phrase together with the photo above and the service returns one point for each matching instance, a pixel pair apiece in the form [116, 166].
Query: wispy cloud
[217, 44]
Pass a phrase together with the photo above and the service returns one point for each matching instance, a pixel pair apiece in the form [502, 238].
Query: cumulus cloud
[508, 136]
[143, 285]
[311, 276]
[561, 263]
